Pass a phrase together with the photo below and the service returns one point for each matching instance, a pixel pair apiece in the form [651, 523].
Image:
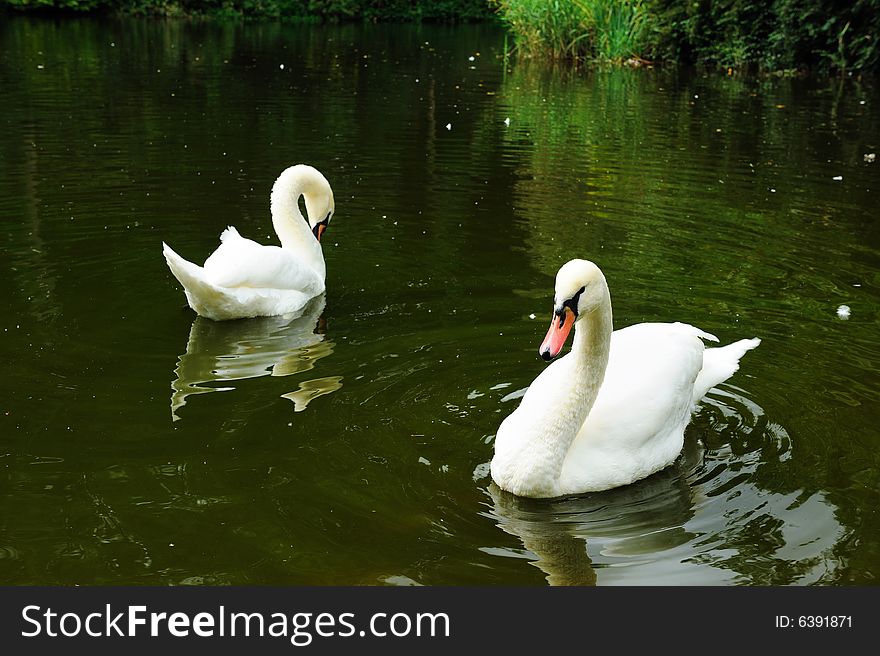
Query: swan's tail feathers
[721, 363]
[200, 294]
[187, 273]
[693, 330]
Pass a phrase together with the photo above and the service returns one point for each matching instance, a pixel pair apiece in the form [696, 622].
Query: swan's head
[580, 289]
[308, 182]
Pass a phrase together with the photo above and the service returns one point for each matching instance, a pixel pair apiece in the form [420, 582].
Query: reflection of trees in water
[662, 177]
[701, 521]
[29, 259]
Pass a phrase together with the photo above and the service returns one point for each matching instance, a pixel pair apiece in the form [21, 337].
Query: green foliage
[610, 30]
[725, 32]
[63, 5]
[774, 34]
[826, 35]
[553, 27]
[385, 10]
[616, 27]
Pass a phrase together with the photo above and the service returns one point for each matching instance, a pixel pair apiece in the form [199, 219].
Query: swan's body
[245, 279]
[614, 409]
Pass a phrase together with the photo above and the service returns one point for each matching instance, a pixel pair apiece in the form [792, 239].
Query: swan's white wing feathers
[220, 303]
[637, 423]
[240, 262]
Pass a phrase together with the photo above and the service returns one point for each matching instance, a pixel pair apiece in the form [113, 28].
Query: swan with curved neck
[613, 410]
[245, 279]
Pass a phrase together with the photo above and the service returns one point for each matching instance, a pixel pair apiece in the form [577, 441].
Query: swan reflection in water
[711, 518]
[558, 532]
[225, 351]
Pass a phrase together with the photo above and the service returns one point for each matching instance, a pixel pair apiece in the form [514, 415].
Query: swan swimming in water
[245, 279]
[613, 410]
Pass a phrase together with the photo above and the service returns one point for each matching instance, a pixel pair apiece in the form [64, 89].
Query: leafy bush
[774, 34]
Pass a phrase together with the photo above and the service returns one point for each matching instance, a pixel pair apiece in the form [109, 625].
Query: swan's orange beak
[319, 230]
[560, 326]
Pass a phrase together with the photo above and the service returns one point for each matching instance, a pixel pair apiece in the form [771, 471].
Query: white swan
[245, 279]
[612, 411]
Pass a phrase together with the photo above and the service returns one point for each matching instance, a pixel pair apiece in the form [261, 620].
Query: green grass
[605, 30]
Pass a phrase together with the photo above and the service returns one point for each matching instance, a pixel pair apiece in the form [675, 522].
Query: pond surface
[140, 444]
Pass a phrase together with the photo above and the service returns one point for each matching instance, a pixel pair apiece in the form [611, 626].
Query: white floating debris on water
[843, 312]
[507, 121]
[481, 471]
[837, 177]
[471, 58]
[449, 126]
[424, 461]
[281, 66]
[532, 316]
[870, 157]
[772, 191]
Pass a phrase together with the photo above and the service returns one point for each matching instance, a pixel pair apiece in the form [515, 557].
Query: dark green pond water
[139, 444]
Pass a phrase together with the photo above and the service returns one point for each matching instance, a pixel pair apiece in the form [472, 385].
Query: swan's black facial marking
[571, 304]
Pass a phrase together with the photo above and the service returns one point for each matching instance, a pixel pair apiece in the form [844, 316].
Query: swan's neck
[533, 461]
[589, 359]
[291, 227]
[591, 347]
